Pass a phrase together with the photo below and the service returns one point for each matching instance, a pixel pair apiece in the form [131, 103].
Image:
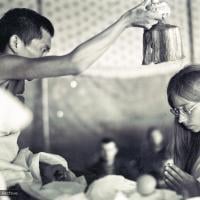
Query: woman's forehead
[179, 101]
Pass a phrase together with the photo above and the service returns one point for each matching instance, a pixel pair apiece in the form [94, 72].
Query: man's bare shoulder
[12, 66]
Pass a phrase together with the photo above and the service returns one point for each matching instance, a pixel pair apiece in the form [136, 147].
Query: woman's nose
[182, 118]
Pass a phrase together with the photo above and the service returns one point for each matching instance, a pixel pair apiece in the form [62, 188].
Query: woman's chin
[194, 129]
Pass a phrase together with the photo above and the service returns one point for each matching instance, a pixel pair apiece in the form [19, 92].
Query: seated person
[154, 154]
[106, 164]
[111, 161]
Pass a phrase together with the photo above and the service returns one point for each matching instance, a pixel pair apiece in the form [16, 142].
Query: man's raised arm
[85, 54]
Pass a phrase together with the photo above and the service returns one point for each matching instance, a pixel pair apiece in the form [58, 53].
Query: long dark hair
[186, 144]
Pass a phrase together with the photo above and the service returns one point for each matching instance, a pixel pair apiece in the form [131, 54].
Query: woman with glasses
[184, 98]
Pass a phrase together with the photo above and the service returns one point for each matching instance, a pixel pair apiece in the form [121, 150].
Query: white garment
[80, 196]
[106, 188]
[9, 147]
[26, 172]
[14, 116]
[114, 187]
[3, 187]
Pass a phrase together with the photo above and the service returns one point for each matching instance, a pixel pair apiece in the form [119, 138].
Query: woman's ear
[15, 44]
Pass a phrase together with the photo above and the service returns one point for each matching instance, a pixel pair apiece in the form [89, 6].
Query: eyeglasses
[182, 110]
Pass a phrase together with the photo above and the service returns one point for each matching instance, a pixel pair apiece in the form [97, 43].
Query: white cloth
[80, 196]
[3, 187]
[23, 167]
[114, 187]
[25, 171]
[14, 116]
[106, 188]
[158, 194]
[9, 146]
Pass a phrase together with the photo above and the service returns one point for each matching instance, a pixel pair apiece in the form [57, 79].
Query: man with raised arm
[25, 38]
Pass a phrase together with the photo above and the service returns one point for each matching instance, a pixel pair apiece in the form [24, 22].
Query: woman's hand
[181, 181]
[147, 14]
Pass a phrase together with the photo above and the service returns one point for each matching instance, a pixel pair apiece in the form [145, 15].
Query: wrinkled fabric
[107, 187]
[114, 187]
[25, 171]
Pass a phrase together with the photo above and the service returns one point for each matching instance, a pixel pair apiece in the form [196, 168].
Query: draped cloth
[25, 171]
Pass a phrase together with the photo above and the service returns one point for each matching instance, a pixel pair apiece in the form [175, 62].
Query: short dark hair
[25, 23]
[107, 140]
